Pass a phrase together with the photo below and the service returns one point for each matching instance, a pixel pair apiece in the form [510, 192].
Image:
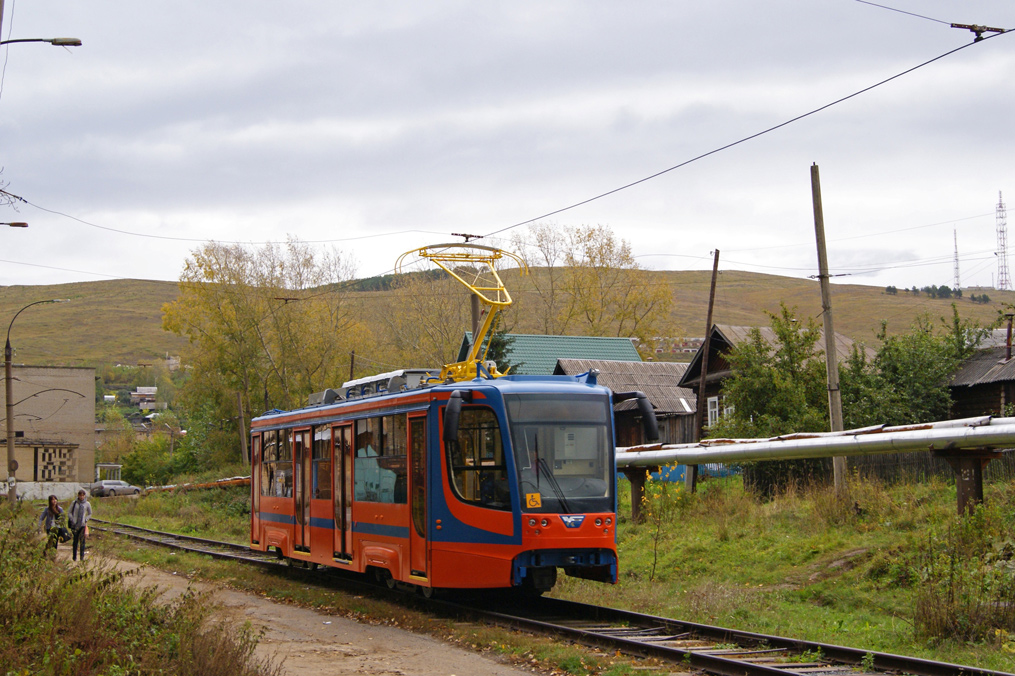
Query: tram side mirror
[649, 424]
[452, 412]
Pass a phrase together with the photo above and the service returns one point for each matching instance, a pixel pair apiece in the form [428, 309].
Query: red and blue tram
[477, 484]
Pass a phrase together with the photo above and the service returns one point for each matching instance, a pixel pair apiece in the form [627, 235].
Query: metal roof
[657, 379]
[538, 354]
[984, 367]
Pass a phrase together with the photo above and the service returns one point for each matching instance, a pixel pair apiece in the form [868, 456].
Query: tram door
[342, 493]
[417, 488]
[301, 488]
[255, 489]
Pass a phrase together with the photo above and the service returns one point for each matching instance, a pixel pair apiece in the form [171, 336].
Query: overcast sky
[383, 126]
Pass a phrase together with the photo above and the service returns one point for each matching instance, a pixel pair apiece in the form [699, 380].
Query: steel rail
[648, 635]
[176, 541]
[706, 647]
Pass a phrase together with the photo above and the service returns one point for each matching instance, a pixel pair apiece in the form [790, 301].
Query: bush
[89, 620]
[967, 576]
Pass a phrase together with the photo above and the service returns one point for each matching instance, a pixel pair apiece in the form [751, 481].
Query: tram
[464, 479]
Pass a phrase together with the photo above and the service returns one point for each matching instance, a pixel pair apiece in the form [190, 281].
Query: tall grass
[967, 579]
[56, 619]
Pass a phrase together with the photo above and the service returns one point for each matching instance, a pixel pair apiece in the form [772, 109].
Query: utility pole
[243, 430]
[475, 315]
[691, 471]
[352, 363]
[831, 361]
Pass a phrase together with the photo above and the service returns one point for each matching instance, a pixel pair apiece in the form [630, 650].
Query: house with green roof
[538, 355]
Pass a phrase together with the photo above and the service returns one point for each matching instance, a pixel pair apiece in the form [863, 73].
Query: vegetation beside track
[890, 569]
[58, 617]
[876, 570]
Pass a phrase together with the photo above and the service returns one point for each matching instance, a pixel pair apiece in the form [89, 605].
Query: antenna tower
[1003, 280]
[955, 234]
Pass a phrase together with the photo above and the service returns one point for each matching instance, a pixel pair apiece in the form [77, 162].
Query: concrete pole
[12, 493]
[831, 361]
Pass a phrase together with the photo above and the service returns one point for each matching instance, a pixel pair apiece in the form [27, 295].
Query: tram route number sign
[533, 500]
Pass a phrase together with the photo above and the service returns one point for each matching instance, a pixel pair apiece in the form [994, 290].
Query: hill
[107, 322]
[120, 321]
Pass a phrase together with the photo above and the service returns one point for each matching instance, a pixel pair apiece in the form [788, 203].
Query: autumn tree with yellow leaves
[271, 323]
[587, 283]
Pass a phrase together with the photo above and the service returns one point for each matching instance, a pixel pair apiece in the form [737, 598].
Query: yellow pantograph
[465, 261]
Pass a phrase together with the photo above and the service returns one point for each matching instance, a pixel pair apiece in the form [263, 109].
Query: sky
[378, 127]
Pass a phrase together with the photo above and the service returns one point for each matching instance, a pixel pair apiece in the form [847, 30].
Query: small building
[143, 395]
[54, 423]
[674, 405]
[724, 338]
[537, 355]
[984, 384]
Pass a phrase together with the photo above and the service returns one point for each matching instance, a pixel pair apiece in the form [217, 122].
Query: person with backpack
[80, 512]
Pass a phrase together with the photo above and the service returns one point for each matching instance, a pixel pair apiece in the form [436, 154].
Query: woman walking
[51, 522]
[80, 512]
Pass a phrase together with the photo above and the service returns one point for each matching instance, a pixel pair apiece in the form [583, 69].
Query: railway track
[681, 645]
[188, 543]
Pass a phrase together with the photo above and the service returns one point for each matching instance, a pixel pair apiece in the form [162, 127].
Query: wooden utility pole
[475, 315]
[352, 363]
[691, 473]
[831, 361]
[243, 430]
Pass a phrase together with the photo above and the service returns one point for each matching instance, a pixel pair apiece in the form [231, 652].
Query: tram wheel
[427, 592]
[390, 581]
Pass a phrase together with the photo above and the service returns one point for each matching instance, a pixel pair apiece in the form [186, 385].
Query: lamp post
[12, 494]
[56, 42]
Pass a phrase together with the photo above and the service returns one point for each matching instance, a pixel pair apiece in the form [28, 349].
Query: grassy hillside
[116, 321]
[120, 321]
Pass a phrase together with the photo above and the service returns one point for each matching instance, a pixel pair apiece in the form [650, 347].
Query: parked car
[111, 487]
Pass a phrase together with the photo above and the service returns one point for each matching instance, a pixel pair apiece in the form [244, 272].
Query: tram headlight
[532, 523]
[544, 523]
[609, 520]
[599, 522]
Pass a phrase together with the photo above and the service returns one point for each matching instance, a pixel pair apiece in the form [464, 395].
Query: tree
[267, 323]
[589, 283]
[425, 320]
[776, 387]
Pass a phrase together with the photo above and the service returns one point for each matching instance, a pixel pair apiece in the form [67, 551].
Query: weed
[90, 621]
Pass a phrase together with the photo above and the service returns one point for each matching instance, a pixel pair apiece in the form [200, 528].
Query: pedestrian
[52, 521]
[80, 512]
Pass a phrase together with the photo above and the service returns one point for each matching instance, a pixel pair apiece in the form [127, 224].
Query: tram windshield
[562, 452]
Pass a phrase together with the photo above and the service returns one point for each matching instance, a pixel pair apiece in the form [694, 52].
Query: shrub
[89, 620]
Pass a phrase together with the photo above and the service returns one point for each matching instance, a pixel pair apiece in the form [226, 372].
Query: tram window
[380, 468]
[476, 460]
[322, 463]
[282, 481]
[269, 459]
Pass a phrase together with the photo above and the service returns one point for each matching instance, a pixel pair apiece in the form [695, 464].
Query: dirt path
[314, 644]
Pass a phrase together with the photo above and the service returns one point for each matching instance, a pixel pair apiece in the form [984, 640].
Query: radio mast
[1003, 280]
[955, 234]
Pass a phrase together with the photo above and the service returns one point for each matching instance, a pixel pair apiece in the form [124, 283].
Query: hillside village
[139, 367]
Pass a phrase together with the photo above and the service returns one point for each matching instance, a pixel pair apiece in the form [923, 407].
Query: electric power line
[736, 143]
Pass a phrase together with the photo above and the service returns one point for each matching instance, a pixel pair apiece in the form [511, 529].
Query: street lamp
[56, 42]
[12, 465]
